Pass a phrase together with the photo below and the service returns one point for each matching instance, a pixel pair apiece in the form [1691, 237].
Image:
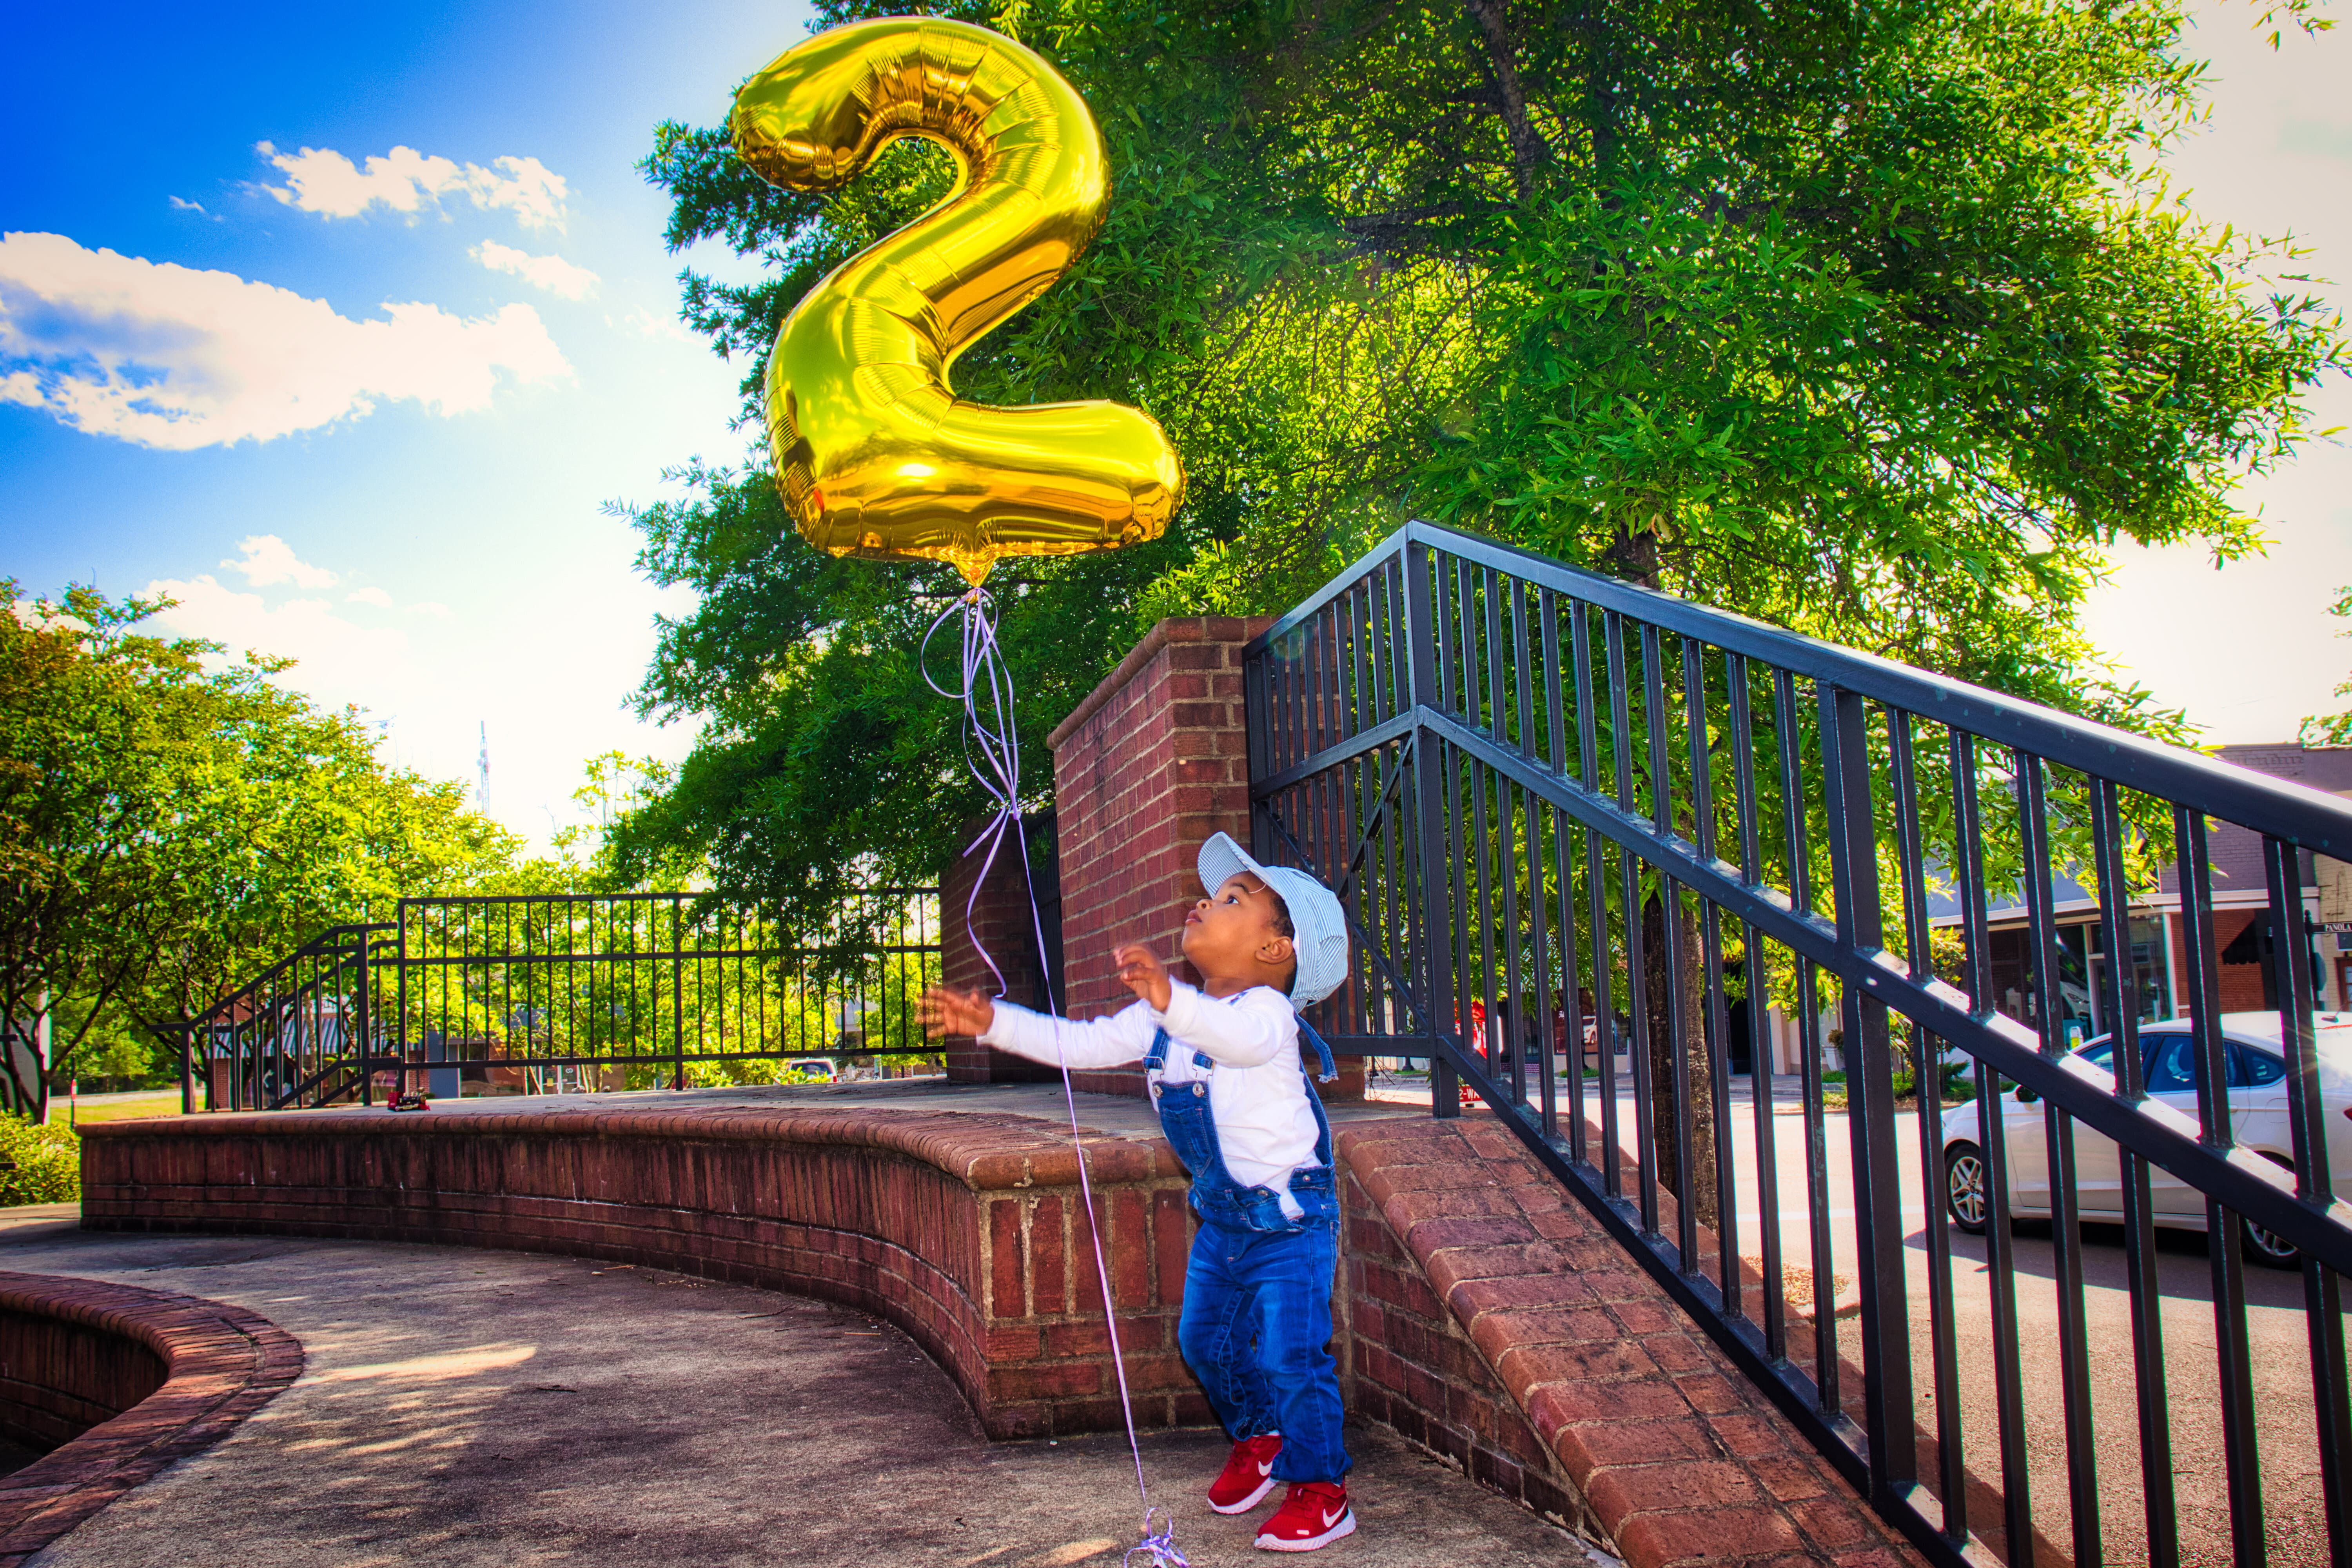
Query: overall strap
[1322, 1052]
[1156, 1057]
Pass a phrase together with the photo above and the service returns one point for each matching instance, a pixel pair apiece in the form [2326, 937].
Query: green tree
[2333, 729]
[1876, 323]
[169, 822]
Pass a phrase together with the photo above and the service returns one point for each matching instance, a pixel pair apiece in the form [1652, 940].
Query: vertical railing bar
[1423, 632]
[2240, 1457]
[2157, 1491]
[1656, 716]
[1532, 1011]
[1757, 977]
[1678, 1068]
[1827, 1372]
[1544, 825]
[2315, 1186]
[1596, 892]
[1637, 999]
[2065, 1195]
[1886, 1319]
[1928, 1075]
[1716, 1030]
[2009, 1404]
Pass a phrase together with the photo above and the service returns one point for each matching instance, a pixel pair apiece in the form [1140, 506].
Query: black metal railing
[532, 993]
[1548, 797]
[300, 1032]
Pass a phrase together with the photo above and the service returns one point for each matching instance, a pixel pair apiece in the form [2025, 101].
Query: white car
[2258, 1117]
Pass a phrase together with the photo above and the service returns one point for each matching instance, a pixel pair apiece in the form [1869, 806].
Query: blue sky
[410, 379]
[435, 459]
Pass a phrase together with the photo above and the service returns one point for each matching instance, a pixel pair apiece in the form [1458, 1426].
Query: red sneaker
[1248, 1474]
[1315, 1514]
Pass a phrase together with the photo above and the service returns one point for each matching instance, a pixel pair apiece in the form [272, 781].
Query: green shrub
[45, 1163]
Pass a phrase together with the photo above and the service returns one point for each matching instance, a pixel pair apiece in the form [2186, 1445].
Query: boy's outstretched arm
[1115, 1041]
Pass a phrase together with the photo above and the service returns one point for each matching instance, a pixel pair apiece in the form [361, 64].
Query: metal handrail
[1398, 748]
[2277, 807]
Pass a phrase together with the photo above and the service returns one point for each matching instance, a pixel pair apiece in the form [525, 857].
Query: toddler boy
[1224, 1071]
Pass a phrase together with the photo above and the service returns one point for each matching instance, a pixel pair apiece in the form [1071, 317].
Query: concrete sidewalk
[506, 1409]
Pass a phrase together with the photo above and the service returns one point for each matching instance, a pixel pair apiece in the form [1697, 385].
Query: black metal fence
[1557, 806]
[532, 993]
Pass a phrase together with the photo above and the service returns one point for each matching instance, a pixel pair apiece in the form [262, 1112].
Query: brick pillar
[1154, 761]
[1000, 921]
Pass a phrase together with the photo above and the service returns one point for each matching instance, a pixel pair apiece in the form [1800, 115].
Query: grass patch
[162, 1102]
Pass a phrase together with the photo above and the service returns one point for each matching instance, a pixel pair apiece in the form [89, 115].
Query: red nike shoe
[1315, 1514]
[1248, 1474]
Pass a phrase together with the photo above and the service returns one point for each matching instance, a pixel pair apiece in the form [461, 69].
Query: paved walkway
[506, 1410]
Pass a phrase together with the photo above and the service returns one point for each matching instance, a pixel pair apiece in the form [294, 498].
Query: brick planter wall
[178, 1374]
[964, 1230]
[59, 1378]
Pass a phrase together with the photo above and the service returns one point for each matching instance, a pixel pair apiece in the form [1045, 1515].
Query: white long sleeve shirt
[1257, 1093]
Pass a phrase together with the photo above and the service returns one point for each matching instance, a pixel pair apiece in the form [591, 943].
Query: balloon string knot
[1158, 1548]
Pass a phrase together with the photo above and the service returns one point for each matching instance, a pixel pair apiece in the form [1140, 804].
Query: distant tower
[482, 765]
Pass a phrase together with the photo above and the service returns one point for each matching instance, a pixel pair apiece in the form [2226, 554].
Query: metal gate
[1547, 796]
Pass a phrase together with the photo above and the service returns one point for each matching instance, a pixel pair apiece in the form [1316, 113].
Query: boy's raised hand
[1140, 971]
[947, 1011]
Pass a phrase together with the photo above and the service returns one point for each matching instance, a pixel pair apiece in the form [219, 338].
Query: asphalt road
[2280, 1357]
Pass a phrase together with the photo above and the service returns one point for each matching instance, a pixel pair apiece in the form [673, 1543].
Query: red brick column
[1154, 761]
[1000, 921]
[1150, 764]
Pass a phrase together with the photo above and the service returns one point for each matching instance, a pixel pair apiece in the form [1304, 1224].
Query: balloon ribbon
[991, 749]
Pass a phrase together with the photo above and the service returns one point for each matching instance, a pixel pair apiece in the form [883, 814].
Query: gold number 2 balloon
[875, 454]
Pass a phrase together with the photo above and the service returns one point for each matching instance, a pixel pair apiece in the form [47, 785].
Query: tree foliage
[1873, 322]
[171, 821]
[2333, 729]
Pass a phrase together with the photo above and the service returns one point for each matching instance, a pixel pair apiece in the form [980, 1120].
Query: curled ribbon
[991, 742]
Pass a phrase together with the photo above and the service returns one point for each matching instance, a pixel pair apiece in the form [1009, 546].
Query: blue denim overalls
[1256, 1324]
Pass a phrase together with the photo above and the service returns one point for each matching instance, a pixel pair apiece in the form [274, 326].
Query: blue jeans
[1256, 1330]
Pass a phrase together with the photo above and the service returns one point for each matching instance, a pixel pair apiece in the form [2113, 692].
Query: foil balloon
[874, 453]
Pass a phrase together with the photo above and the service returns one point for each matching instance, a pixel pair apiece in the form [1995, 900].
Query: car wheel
[2268, 1247]
[1967, 1191]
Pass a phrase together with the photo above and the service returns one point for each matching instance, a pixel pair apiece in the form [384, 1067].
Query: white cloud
[267, 560]
[551, 273]
[335, 658]
[646, 324]
[179, 204]
[428, 688]
[325, 181]
[162, 355]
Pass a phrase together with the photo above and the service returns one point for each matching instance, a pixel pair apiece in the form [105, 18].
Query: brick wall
[2241, 985]
[126, 1382]
[965, 1229]
[60, 1378]
[1153, 761]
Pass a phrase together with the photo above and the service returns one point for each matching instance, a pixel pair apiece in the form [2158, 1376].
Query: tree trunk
[1679, 1068]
